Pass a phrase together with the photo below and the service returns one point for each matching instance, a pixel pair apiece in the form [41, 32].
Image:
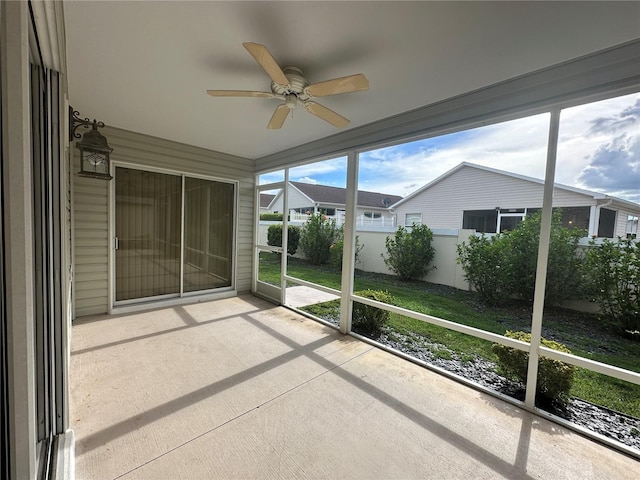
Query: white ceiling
[144, 66]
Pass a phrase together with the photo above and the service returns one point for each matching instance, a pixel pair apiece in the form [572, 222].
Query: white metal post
[349, 243]
[543, 255]
[256, 236]
[285, 238]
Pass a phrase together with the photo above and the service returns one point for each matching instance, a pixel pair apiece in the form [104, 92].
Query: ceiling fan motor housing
[297, 83]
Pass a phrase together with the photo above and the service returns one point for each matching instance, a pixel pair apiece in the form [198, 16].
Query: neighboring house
[489, 200]
[306, 198]
[265, 201]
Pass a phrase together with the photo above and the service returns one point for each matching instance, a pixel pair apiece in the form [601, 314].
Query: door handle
[117, 243]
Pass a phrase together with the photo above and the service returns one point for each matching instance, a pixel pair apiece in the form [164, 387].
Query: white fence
[382, 222]
[447, 272]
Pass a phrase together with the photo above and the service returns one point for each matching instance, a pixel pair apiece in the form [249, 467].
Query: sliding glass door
[148, 222]
[208, 234]
[174, 234]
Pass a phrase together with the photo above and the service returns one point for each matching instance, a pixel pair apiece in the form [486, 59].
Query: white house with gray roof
[306, 198]
[490, 200]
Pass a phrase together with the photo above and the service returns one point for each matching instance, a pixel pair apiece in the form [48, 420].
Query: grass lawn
[583, 334]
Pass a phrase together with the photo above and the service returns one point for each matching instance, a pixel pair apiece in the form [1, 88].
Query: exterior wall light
[94, 149]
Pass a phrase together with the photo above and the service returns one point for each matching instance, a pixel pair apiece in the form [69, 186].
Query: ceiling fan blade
[240, 93]
[278, 117]
[326, 114]
[351, 83]
[266, 61]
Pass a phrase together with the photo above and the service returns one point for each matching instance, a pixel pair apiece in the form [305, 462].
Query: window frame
[410, 224]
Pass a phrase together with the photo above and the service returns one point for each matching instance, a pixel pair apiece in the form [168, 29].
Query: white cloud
[310, 180]
[328, 172]
[518, 146]
[602, 141]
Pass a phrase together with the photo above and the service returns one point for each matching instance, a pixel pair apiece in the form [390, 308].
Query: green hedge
[410, 252]
[505, 264]
[555, 378]
[317, 236]
[611, 277]
[271, 217]
[370, 320]
[274, 237]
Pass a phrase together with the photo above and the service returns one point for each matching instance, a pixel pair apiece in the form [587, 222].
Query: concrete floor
[301, 296]
[239, 388]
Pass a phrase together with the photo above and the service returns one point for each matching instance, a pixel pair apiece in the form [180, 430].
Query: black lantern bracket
[94, 149]
[75, 122]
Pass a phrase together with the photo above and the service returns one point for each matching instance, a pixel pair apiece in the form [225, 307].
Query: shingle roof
[265, 199]
[337, 195]
[463, 165]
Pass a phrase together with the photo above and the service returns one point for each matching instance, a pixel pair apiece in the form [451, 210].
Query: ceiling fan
[288, 84]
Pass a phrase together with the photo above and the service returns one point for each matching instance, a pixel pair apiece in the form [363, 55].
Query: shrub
[337, 248]
[271, 217]
[274, 237]
[508, 261]
[555, 378]
[562, 265]
[611, 274]
[318, 234]
[410, 252]
[487, 267]
[370, 320]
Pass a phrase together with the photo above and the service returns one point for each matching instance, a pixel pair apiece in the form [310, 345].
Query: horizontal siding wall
[91, 204]
[91, 235]
[442, 204]
[621, 222]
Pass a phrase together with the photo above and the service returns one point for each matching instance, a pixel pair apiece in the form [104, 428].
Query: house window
[575, 217]
[607, 223]
[412, 218]
[482, 221]
[632, 226]
[330, 212]
[509, 219]
[373, 215]
[506, 223]
[303, 210]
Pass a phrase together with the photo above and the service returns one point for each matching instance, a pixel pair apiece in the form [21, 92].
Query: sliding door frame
[181, 297]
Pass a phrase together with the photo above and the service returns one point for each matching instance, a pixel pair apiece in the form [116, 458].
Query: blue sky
[599, 150]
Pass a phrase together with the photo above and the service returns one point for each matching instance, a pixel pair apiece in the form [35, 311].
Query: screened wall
[424, 326]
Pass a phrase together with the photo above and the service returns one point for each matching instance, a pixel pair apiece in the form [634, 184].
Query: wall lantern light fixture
[94, 149]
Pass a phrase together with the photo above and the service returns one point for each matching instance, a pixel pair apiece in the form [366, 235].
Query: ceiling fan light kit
[289, 85]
